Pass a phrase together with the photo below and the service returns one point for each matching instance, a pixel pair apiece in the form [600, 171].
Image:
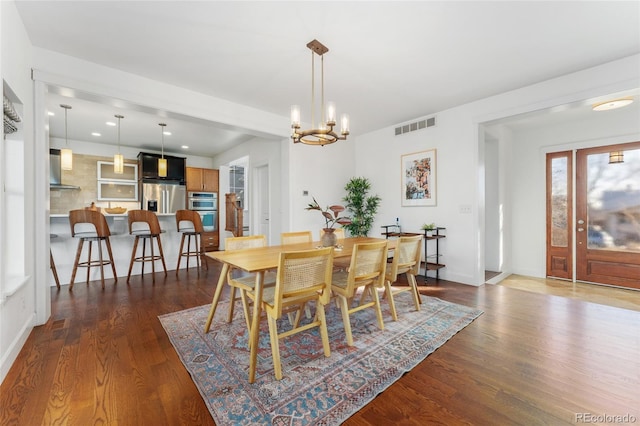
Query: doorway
[604, 233]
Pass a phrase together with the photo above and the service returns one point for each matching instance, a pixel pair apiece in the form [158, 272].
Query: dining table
[260, 260]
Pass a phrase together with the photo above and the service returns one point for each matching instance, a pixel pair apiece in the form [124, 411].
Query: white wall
[17, 311]
[460, 173]
[322, 171]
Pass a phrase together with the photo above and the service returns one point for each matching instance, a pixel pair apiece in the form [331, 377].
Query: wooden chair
[366, 271]
[303, 276]
[295, 237]
[144, 224]
[91, 225]
[245, 284]
[406, 260]
[189, 224]
[234, 215]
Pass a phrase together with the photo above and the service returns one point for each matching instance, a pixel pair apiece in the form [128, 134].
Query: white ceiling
[388, 62]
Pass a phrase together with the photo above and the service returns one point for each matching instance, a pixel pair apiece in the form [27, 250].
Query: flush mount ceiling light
[118, 159]
[162, 162]
[324, 133]
[613, 104]
[66, 155]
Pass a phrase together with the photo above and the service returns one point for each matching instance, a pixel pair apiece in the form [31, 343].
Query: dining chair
[245, 283]
[295, 237]
[406, 260]
[302, 277]
[366, 272]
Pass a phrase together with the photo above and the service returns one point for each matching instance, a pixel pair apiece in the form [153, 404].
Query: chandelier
[324, 133]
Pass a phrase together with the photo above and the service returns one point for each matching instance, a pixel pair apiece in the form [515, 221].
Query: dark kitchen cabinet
[148, 167]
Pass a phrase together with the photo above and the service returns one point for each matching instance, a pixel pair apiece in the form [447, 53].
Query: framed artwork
[419, 178]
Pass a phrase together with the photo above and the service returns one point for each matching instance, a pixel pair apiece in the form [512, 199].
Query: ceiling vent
[418, 125]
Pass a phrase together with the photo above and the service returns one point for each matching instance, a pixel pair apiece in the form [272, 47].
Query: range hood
[55, 171]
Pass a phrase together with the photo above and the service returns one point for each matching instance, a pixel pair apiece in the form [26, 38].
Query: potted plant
[362, 206]
[331, 216]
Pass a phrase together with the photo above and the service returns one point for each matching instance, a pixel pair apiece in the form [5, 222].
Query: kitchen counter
[64, 246]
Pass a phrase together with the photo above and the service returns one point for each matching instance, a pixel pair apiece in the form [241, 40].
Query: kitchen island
[64, 246]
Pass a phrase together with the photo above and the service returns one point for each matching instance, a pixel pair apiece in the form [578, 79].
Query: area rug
[314, 390]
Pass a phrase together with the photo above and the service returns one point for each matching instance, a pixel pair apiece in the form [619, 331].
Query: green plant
[362, 206]
[429, 226]
[330, 218]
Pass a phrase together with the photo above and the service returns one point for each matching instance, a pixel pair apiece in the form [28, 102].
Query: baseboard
[9, 357]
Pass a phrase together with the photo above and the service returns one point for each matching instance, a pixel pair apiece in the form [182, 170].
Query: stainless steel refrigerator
[163, 197]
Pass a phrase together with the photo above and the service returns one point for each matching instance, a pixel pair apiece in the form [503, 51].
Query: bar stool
[90, 225]
[52, 264]
[144, 224]
[190, 225]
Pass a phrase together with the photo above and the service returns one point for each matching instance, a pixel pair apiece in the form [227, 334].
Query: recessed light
[167, 133]
[110, 123]
[95, 134]
[51, 114]
[185, 146]
[613, 104]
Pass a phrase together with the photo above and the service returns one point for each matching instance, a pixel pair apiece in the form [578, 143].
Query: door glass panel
[613, 202]
[559, 202]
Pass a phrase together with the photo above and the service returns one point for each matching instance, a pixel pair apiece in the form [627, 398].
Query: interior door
[608, 215]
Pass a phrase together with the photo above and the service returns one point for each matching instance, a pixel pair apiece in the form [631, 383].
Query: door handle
[580, 229]
[580, 222]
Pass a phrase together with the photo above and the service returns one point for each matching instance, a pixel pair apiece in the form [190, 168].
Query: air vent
[418, 125]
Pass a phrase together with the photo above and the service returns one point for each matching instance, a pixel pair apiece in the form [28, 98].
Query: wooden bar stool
[90, 225]
[52, 264]
[189, 224]
[144, 224]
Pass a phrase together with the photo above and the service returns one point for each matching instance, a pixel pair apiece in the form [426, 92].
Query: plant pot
[329, 239]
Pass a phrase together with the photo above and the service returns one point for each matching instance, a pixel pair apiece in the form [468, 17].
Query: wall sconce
[616, 157]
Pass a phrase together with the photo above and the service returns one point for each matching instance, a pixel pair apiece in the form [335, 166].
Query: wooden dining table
[258, 261]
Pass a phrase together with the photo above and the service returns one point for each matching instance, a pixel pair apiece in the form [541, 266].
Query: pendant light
[162, 162]
[66, 155]
[118, 159]
[324, 133]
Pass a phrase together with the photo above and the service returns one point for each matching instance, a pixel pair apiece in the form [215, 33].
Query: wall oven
[206, 204]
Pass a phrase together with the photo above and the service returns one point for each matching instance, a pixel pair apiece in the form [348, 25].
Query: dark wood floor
[530, 359]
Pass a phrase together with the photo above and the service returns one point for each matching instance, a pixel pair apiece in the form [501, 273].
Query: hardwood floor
[531, 359]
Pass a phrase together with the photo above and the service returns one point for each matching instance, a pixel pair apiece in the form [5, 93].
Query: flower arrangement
[331, 214]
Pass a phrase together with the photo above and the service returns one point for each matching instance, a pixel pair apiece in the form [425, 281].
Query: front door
[608, 215]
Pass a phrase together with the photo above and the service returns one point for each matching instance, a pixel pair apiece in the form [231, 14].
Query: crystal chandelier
[324, 133]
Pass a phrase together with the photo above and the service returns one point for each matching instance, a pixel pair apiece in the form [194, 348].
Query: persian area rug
[314, 390]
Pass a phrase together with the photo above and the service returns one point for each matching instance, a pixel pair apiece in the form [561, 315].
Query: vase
[328, 239]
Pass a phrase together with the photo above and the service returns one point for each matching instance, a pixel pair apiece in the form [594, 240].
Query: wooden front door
[607, 228]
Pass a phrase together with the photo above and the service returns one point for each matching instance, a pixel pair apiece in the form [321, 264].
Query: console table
[428, 235]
